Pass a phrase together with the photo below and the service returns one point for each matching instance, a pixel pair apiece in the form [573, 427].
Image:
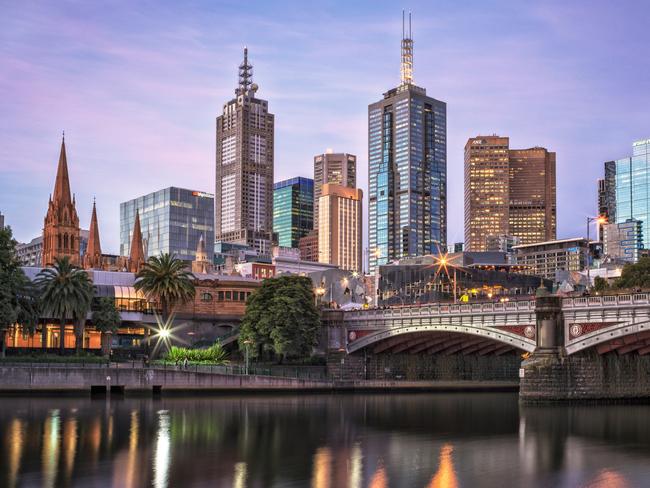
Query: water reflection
[339, 441]
[162, 453]
[445, 477]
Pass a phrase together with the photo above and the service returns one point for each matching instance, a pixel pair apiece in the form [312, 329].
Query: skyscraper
[407, 169]
[331, 167]
[340, 227]
[508, 192]
[293, 210]
[244, 182]
[630, 178]
[61, 225]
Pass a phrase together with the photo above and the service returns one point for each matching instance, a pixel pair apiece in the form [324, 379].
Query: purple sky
[137, 87]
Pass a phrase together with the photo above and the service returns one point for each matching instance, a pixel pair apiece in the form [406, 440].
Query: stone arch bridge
[607, 323]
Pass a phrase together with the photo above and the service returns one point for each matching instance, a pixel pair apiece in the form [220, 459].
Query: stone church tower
[93, 257]
[61, 227]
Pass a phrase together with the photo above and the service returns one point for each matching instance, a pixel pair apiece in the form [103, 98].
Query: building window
[206, 297]
[228, 295]
[221, 295]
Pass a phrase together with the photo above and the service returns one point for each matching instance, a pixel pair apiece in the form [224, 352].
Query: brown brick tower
[61, 227]
[136, 257]
[93, 257]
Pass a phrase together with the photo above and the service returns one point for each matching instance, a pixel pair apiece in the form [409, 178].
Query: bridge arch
[433, 337]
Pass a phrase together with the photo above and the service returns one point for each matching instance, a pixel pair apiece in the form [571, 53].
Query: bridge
[560, 347]
[607, 323]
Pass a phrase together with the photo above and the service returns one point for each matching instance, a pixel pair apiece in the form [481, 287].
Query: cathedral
[61, 227]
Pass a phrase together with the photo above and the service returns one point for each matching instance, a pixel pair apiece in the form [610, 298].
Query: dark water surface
[334, 441]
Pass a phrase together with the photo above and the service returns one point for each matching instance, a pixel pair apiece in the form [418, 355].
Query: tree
[635, 275]
[106, 320]
[281, 319]
[166, 280]
[18, 301]
[66, 293]
[600, 284]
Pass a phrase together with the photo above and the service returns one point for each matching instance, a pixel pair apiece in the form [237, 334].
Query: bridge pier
[551, 375]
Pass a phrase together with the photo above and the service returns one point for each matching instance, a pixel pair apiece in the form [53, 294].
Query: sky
[137, 86]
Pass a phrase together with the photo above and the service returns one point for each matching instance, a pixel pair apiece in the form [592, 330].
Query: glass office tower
[293, 210]
[632, 188]
[407, 170]
[172, 221]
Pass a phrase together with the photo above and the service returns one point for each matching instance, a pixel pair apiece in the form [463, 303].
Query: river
[333, 441]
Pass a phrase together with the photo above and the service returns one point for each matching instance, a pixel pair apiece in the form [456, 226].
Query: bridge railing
[442, 309]
[606, 300]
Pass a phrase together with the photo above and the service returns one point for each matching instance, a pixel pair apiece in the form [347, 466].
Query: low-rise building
[545, 258]
[30, 253]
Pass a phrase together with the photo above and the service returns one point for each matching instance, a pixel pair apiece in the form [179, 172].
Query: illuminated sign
[202, 194]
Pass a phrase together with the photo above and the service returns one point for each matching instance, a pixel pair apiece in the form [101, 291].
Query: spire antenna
[406, 67]
[245, 75]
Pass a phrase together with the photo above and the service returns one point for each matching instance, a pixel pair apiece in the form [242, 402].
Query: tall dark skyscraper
[407, 169]
[244, 183]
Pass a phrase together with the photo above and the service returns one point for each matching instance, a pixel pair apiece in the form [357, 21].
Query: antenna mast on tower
[406, 67]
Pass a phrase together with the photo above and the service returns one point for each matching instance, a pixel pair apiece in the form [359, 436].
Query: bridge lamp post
[600, 220]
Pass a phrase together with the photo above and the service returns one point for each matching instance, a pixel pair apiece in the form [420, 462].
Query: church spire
[93, 256]
[62, 184]
[406, 66]
[136, 257]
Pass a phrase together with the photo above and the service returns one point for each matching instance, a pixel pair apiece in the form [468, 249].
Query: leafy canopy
[635, 275]
[18, 297]
[106, 318]
[281, 318]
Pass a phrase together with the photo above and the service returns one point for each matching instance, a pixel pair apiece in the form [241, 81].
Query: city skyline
[146, 109]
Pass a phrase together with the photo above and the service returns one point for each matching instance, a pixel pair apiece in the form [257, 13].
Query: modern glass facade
[293, 210]
[632, 187]
[172, 221]
[407, 174]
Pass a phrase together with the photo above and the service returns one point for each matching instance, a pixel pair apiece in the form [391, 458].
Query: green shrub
[215, 354]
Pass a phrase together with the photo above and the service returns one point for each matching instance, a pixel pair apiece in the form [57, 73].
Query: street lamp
[248, 342]
[601, 219]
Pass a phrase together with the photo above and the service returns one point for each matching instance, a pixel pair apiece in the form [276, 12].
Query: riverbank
[56, 379]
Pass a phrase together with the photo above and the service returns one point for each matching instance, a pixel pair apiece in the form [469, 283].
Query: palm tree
[166, 280]
[66, 293]
[106, 320]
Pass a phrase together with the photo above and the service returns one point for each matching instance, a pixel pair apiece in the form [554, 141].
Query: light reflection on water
[337, 441]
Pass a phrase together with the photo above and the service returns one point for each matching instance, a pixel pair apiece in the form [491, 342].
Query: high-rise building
[2, 221]
[61, 225]
[623, 241]
[171, 221]
[607, 197]
[340, 227]
[293, 210]
[630, 179]
[407, 169]
[331, 167]
[508, 192]
[244, 183]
